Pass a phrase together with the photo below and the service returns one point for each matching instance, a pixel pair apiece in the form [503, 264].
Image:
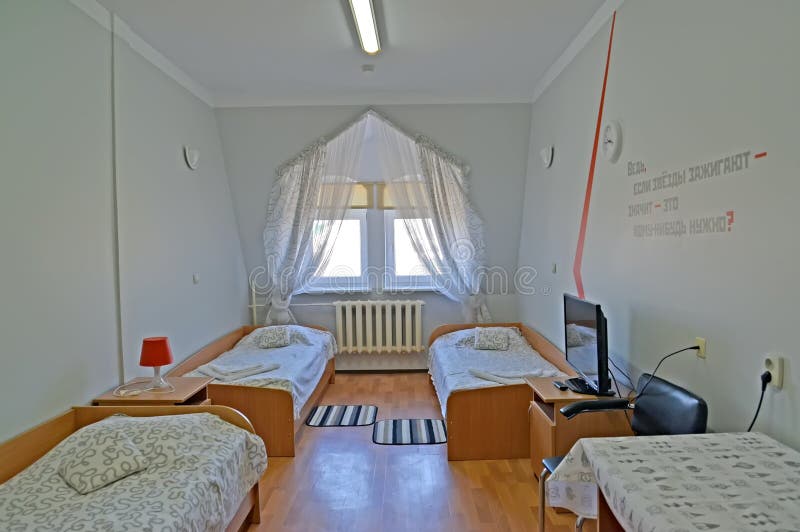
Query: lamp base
[158, 384]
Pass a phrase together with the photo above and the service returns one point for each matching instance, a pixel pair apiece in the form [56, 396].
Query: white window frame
[412, 283]
[327, 285]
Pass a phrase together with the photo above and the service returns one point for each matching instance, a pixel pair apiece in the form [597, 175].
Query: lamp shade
[155, 352]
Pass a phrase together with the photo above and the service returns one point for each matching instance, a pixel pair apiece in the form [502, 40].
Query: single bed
[276, 402]
[201, 471]
[487, 420]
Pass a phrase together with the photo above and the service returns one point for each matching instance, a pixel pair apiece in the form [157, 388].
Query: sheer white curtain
[308, 202]
[313, 192]
[427, 187]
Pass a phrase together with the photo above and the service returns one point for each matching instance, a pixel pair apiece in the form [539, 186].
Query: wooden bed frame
[23, 450]
[270, 410]
[493, 423]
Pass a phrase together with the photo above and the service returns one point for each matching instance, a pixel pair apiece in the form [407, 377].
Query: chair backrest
[667, 409]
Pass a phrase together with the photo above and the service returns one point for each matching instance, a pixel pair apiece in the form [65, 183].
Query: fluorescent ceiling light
[364, 15]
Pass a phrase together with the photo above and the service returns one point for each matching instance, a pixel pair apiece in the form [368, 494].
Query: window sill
[396, 290]
[408, 289]
[334, 291]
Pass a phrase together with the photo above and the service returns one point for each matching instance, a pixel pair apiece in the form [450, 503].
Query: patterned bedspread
[726, 482]
[302, 362]
[200, 468]
[452, 356]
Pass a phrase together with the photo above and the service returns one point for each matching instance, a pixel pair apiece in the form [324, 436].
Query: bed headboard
[23, 450]
[210, 352]
[541, 344]
[217, 347]
[453, 327]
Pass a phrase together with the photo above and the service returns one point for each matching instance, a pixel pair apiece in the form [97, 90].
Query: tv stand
[578, 385]
[554, 435]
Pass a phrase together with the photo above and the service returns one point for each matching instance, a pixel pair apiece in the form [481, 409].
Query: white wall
[57, 319]
[57, 282]
[492, 139]
[174, 222]
[689, 82]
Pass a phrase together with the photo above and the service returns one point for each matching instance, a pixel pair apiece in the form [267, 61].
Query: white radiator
[379, 326]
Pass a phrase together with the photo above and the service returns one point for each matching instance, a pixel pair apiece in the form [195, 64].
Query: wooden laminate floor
[341, 481]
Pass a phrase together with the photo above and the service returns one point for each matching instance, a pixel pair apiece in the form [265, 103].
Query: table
[188, 391]
[724, 482]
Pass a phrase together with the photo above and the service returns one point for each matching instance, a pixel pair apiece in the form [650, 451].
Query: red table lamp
[156, 353]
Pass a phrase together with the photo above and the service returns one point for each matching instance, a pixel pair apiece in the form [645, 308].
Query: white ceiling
[280, 52]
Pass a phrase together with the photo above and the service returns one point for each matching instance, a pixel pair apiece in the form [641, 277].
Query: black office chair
[660, 409]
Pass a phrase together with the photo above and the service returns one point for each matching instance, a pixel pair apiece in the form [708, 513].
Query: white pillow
[274, 336]
[492, 338]
[98, 455]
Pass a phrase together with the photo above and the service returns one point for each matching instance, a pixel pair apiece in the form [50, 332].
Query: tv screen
[586, 342]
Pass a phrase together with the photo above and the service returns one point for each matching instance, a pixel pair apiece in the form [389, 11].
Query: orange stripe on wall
[576, 268]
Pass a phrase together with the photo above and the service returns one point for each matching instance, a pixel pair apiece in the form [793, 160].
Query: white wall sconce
[192, 157]
[547, 156]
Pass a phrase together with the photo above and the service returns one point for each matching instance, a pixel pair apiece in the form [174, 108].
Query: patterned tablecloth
[726, 482]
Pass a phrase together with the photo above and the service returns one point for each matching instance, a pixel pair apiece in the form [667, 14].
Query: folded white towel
[228, 377]
[512, 378]
[532, 373]
[485, 375]
[231, 370]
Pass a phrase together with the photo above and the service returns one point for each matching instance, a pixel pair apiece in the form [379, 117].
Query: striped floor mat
[342, 416]
[409, 432]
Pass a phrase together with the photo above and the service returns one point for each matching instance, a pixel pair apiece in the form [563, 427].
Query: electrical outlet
[701, 353]
[774, 364]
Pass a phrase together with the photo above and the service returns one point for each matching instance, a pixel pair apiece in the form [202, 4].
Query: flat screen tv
[586, 341]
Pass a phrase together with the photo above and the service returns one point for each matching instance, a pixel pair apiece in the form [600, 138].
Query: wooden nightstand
[554, 435]
[188, 391]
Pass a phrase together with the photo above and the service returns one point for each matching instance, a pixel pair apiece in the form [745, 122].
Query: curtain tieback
[471, 307]
[279, 304]
[476, 301]
[278, 312]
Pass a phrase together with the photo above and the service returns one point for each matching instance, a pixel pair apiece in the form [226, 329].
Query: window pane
[406, 260]
[346, 254]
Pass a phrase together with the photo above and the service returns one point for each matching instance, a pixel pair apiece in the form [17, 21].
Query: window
[346, 269]
[352, 268]
[404, 268]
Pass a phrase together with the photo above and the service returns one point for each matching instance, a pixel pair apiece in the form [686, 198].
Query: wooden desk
[554, 435]
[188, 391]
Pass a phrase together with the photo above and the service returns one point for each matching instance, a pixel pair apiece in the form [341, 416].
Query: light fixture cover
[364, 16]
[547, 156]
[192, 157]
